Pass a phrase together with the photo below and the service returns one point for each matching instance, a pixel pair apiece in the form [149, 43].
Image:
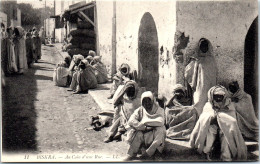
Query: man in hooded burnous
[29, 49]
[36, 41]
[20, 49]
[201, 73]
[180, 115]
[246, 118]
[219, 118]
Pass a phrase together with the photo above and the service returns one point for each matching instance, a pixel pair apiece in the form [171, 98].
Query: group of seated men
[79, 73]
[144, 120]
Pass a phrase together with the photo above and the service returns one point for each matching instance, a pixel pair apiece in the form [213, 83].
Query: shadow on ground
[18, 113]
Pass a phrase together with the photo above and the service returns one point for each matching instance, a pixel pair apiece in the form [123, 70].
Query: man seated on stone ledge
[219, 119]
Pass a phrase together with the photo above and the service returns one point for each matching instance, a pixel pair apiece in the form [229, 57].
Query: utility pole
[44, 21]
[55, 21]
[113, 69]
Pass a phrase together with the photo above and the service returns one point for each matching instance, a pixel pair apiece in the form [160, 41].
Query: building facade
[144, 34]
[13, 13]
[146, 38]
[3, 18]
[60, 7]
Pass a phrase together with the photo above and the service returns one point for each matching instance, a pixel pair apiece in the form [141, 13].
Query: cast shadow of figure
[177, 152]
[42, 77]
[42, 68]
[101, 88]
[42, 61]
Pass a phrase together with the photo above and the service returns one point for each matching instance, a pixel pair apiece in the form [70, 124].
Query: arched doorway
[251, 63]
[148, 54]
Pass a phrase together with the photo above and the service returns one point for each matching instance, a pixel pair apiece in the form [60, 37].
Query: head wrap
[35, 34]
[85, 61]
[68, 58]
[89, 59]
[210, 48]
[218, 90]
[28, 34]
[92, 53]
[131, 83]
[238, 95]
[77, 58]
[97, 58]
[124, 65]
[128, 84]
[21, 31]
[178, 87]
[147, 94]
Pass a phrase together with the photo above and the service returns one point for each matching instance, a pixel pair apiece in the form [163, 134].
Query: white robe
[201, 75]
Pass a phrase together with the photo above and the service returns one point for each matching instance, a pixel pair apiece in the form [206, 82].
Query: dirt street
[39, 117]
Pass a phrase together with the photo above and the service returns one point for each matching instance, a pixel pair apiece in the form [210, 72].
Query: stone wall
[225, 25]
[163, 14]
[104, 18]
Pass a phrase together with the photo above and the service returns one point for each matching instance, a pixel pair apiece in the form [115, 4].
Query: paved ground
[41, 118]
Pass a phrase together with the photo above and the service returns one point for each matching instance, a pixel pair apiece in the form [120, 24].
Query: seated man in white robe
[146, 129]
[74, 66]
[219, 117]
[61, 72]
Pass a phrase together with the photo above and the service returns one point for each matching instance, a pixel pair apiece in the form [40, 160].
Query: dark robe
[29, 50]
[36, 42]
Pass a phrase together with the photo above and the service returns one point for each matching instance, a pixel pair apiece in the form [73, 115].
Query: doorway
[251, 63]
[148, 54]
